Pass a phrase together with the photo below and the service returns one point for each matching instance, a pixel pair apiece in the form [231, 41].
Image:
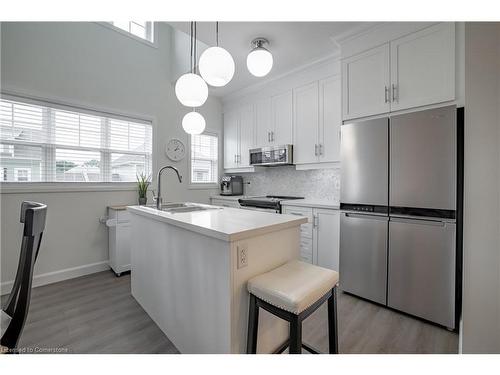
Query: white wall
[481, 293]
[88, 64]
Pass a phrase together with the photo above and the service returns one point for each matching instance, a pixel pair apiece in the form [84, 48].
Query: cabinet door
[305, 122]
[365, 83]
[247, 125]
[423, 67]
[330, 119]
[231, 139]
[263, 122]
[327, 238]
[306, 231]
[282, 118]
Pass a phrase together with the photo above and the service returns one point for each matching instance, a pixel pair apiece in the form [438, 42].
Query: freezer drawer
[423, 159]
[363, 255]
[365, 163]
[422, 269]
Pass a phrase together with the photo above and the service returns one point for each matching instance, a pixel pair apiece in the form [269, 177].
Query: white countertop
[316, 203]
[227, 224]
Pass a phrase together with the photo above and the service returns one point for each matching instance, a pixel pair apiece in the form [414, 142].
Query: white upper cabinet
[281, 112]
[231, 139]
[317, 121]
[263, 122]
[330, 119]
[239, 133]
[366, 82]
[423, 67]
[306, 123]
[412, 71]
[247, 140]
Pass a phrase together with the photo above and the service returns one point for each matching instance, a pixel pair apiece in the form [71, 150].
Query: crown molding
[356, 32]
[236, 94]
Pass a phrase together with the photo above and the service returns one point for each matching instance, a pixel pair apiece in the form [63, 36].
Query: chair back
[33, 216]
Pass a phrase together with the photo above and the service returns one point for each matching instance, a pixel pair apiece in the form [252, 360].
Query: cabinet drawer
[305, 229]
[306, 244]
[306, 257]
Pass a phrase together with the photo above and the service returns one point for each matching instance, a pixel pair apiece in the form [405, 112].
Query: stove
[271, 203]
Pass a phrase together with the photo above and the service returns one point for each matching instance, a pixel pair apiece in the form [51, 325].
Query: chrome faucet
[158, 197]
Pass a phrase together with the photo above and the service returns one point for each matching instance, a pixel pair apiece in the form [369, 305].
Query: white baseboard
[54, 277]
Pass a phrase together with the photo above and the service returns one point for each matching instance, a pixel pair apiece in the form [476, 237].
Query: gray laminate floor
[97, 314]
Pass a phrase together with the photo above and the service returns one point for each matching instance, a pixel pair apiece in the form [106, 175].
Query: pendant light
[190, 88]
[216, 64]
[259, 60]
[193, 123]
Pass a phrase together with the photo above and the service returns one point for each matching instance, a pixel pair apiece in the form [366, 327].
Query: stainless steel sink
[185, 207]
[189, 209]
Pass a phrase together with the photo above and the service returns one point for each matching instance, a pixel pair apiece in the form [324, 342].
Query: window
[140, 29]
[52, 143]
[204, 159]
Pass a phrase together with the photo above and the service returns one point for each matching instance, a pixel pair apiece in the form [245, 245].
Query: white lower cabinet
[319, 237]
[327, 238]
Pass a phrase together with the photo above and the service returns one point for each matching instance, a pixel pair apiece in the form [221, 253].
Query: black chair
[15, 311]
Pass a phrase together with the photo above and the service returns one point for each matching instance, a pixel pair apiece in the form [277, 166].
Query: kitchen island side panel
[264, 253]
[182, 280]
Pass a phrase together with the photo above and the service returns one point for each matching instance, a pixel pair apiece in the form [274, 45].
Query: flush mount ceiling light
[259, 60]
[190, 88]
[193, 123]
[216, 64]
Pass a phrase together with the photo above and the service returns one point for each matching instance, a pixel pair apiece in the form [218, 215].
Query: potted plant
[143, 182]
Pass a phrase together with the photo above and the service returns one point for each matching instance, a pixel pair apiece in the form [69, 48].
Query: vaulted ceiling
[293, 44]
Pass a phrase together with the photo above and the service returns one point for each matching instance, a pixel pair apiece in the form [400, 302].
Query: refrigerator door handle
[371, 216]
[426, 221]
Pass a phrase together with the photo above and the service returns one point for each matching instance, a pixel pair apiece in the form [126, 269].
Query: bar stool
[293, 292]
[13, 315]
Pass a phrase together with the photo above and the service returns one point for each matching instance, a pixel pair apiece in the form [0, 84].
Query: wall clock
[175, 150]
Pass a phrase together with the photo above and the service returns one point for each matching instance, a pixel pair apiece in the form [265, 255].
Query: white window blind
[45, 143]
[141, 29]
[204, 159]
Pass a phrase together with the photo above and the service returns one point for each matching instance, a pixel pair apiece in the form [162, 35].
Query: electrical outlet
[242, 251]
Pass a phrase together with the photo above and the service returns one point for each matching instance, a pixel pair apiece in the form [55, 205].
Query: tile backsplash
[321, 184]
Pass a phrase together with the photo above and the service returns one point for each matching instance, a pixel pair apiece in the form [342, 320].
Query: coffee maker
[231, 185]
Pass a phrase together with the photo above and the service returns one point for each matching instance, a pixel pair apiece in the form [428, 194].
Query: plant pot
[143, 201]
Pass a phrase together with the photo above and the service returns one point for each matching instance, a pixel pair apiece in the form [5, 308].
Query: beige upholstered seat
[294, 286]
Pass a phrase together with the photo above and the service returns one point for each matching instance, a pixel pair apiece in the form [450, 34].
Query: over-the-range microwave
[272, 156]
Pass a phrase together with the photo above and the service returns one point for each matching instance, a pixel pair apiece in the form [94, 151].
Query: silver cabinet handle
[315, 221]
[321, 149]
[269, 136]
[386, 93]
[316, 150]
[394, 97]
[272, 136]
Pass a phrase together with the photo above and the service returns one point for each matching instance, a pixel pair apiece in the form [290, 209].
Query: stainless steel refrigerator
[398, 235]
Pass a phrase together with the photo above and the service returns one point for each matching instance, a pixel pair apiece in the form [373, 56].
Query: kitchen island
[190, 269]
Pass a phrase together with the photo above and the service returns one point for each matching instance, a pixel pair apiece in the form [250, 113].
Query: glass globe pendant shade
[193, 123]
[259, 62]
[191, 90]
[216, 66]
